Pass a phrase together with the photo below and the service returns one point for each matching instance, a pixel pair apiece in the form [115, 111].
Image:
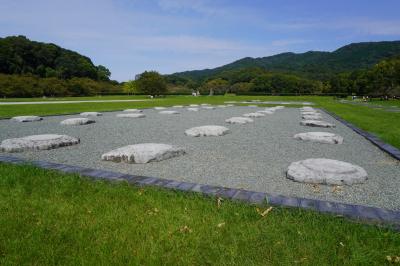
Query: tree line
[33, 69]
[34, 86]
[383, 79]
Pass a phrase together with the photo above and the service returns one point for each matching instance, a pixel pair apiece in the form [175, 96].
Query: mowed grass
[52, 218]
[80, 98]
[380, 122]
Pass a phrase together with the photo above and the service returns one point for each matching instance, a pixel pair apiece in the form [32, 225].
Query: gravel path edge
[356, 212]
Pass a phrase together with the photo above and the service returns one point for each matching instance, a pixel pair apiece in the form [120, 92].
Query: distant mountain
[21, 56]
[312, 64]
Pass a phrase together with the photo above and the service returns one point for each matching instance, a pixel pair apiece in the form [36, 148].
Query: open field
[384, 124]
[49, 218]
[254, 156]
[82, 98]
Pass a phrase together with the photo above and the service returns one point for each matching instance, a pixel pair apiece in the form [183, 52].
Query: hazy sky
[130, 36]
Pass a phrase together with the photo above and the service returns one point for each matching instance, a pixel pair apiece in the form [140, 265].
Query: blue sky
[130, 36]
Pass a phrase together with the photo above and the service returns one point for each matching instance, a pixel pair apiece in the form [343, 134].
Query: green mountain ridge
[21, 56]
[312, 64]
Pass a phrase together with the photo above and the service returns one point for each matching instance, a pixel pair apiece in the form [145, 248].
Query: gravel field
[253, 156]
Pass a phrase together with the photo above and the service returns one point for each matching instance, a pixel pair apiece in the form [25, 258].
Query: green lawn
[82, 98]
[52, 218]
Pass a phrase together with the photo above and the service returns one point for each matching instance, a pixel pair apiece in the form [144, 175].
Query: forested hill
[313, 64]
[21, 56]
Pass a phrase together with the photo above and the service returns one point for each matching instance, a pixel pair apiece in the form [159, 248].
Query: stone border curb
[392, 151]
[358, 212]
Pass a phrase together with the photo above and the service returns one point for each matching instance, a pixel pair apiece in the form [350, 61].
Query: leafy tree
[152, 83]
[242, 87]
[386, 76]
[131, 87]
[103, 73]
[216, 86]
[262, 83]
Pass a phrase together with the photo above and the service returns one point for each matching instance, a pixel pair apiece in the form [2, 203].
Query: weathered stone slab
[143, 153]
[208, 107]
[267, 112]
[312, 117]
[255, 115]
[239, 120]
[160, 108]
[326, 171]
[307, 109]
[310, 113]
[177, 106]
[320, 137]
[37, 142]
[133, 110]
[205, 131]
[316, 123]
[193, 109]
[91, 114]
[77, 121]
[26, 118]
[131, 115]
[169, 112]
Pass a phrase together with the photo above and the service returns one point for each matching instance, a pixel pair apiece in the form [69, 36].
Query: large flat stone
[143, 153]
[267, 112]
[26, 118]
[307, 109]
[193, 109]
[208, 107]
[239, 120]
[320, 137]
[254, 115]
[91, 114]
[312, 117]
[37, 142]
[205, 131]
[160, 108]
[326, 171]
[316, 123]
[134, 110]
[169, 112]
[77, 121]
[131, 115]
[310, 113]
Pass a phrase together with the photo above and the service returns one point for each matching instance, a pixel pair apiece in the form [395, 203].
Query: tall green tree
[103, 73]
[386, 76]
[152, 83]
[131, 87]
[216, 86]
